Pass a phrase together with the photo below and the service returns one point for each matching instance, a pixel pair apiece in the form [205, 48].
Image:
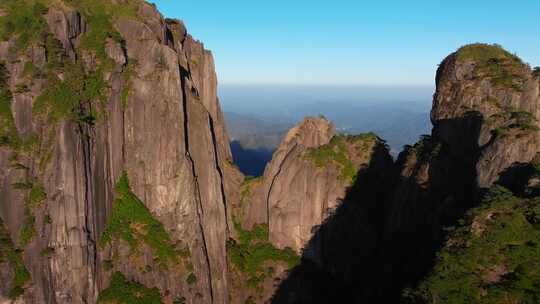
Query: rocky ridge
[310, 175]
[117, 182]
[485, 128]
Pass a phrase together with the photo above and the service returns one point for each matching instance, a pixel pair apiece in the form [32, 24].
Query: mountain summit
[117, 183]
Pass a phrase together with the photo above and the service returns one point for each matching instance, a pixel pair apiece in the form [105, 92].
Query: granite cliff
[485, 133]
[309, 181]
[117, 183]
[114, 154]
[382, 231]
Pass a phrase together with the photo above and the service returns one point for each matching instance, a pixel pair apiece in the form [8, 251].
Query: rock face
[310, 133]
[485, 113]
[384, 235]
[93, 96]
[308, 175]
[487, 98]
[117, 182]
[311, 176]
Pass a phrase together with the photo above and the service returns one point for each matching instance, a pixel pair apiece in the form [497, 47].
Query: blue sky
[351, 42]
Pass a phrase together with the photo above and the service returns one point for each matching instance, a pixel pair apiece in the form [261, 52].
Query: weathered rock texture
[487, 106]
[385, 234]
[157, 117]
[114, 157]
[485, 113]
[310, 133]
[310, 176]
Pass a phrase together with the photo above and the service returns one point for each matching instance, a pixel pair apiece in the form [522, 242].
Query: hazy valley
[259, 116]
[120, 179]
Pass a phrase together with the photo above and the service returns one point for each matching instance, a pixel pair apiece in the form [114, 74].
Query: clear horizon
[351, 42]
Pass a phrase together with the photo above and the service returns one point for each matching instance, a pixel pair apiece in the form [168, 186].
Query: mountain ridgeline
[117, 182]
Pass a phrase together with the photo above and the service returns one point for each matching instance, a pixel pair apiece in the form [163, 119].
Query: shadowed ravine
[118, 184]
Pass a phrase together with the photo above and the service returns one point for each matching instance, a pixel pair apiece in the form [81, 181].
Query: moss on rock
[133, 223]
[123, 291]
[251, 253]
[24, 20]
[35, 194]
[8, 132]
[338, 152]
[61, 98]
[13, 257]
[493, 62]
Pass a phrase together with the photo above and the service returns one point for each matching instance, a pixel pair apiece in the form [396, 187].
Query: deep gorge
[117, 181]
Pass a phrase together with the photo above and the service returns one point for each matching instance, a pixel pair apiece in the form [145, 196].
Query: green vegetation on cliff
[28, 228]
[100, 29]
[13, 257]
[133, 223]
[522, 122]
[252, 252]
[425, 148]
[122, 291]
[23, 19]
[61, 98]
[494, 63]
[100, 16]
[338, 152]
[8, 132]
[247, 185]
[128, 74]
[493, 257]
[63, 94]
[35, 194]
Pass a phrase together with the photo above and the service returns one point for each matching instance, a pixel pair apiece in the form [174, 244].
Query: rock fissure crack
[218, 168]
[200, 209]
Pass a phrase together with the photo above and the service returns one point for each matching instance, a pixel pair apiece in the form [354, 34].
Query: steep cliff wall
[485, 113]
[92, 89]
[386, 233]
[117, 184]
[311, 180]
[486, 106]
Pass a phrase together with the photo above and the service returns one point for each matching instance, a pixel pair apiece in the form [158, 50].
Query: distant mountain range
[255, 135]
[118, 185]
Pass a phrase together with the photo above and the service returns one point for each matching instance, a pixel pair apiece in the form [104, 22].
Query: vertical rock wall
[159, 121]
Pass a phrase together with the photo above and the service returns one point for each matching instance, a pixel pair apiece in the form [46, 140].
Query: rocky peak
[116, 179]
[485, 98]
[309, 177]
[485, 128]
[491, 77]
[311, 132]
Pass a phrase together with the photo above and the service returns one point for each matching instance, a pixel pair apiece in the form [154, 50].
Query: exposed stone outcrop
[384, 238]
[487, 98]
[154, 114]
[66, 26]
[115, 166]
[485, 113]
[311, 175]
[310, 133]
